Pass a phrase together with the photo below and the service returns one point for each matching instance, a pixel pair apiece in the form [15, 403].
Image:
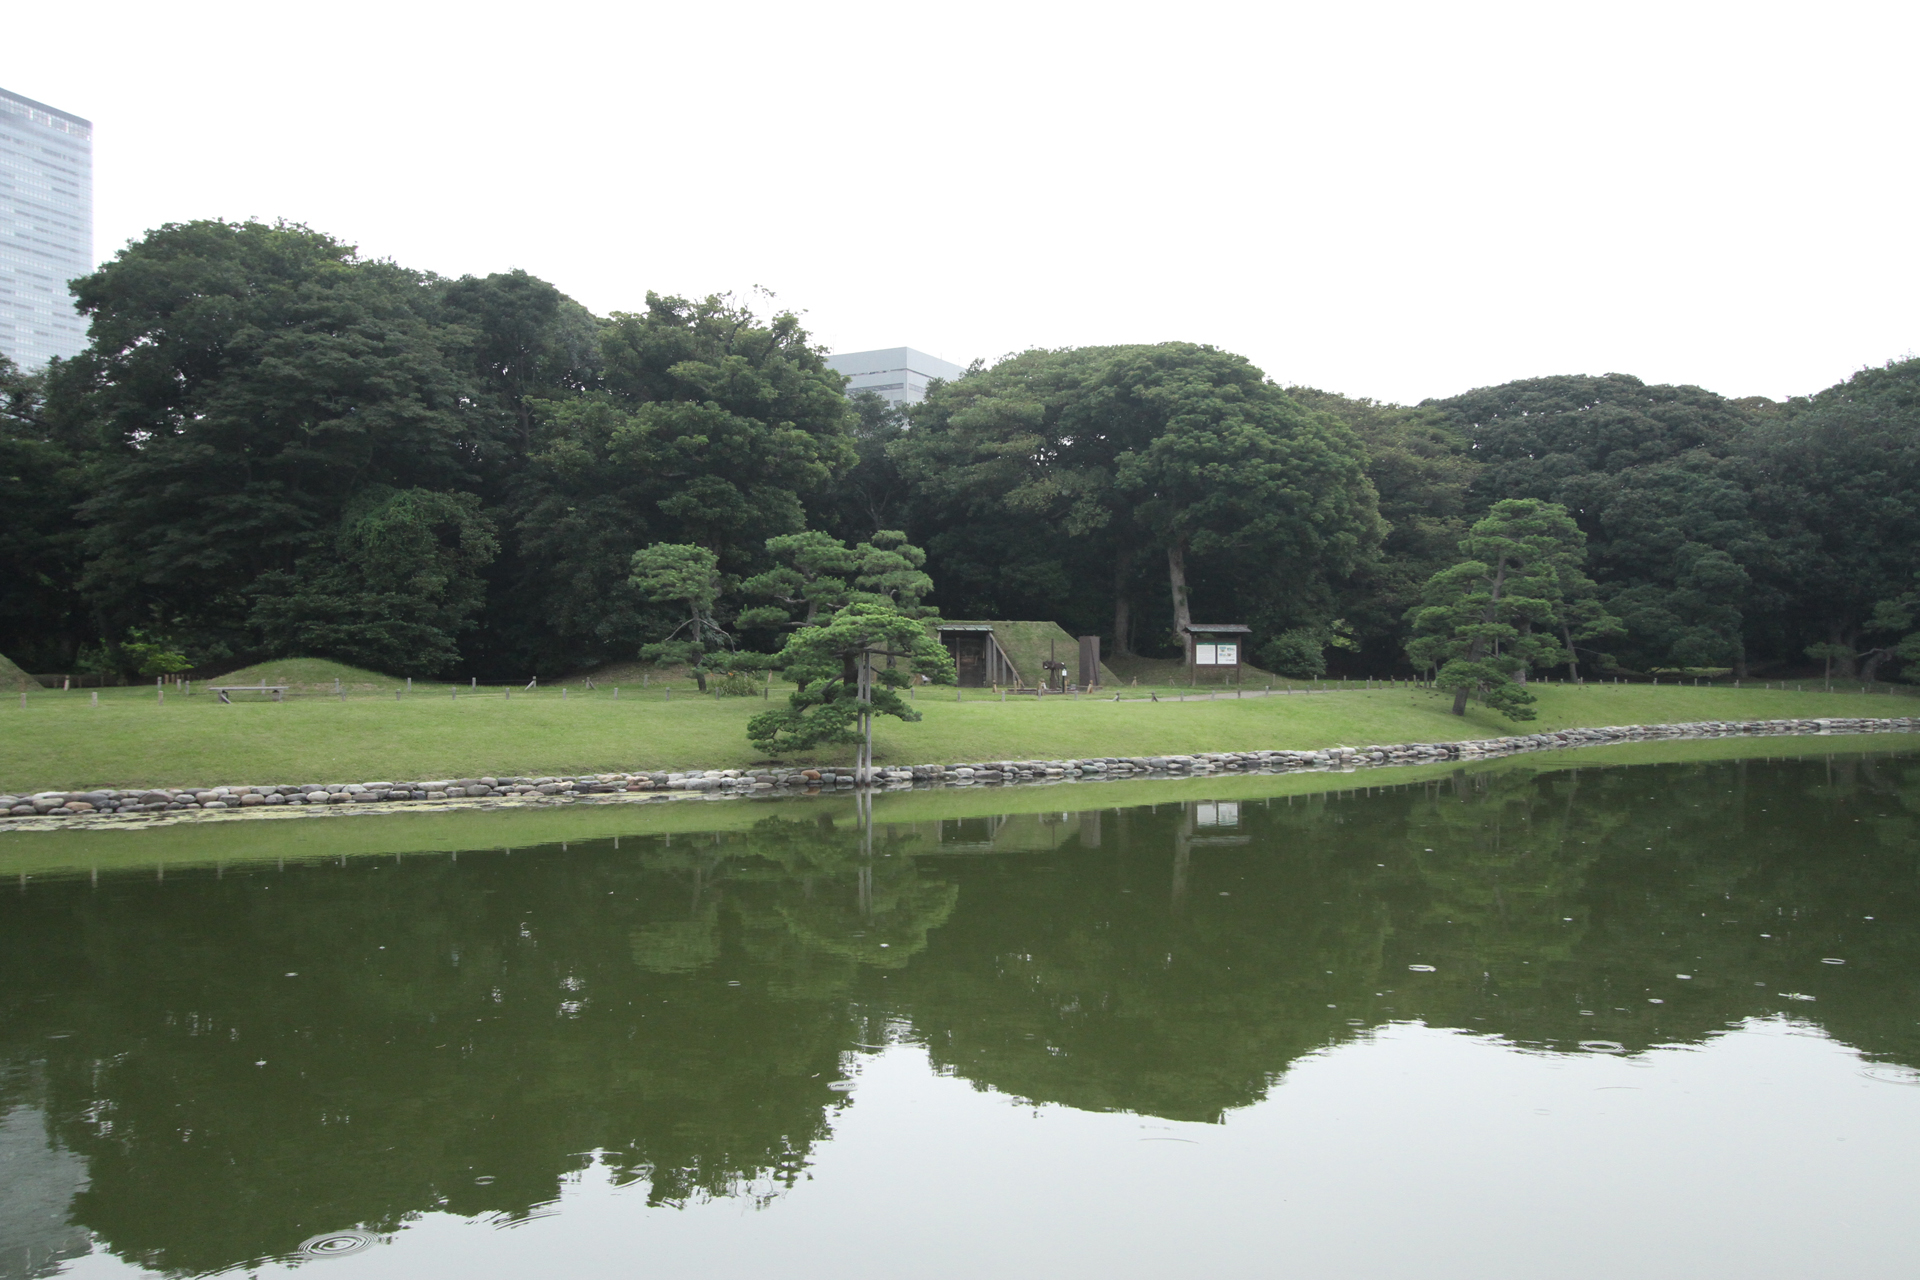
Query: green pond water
[1546, 1018]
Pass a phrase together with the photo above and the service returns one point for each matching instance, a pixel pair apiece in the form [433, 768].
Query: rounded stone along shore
[49, 809]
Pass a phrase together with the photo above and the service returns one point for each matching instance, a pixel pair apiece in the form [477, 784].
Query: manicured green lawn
[131, 739]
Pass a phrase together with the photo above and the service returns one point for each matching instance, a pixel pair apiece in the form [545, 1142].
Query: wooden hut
[1022, 655]
[978, 659]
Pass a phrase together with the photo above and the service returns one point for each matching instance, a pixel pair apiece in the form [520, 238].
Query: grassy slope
[61, 740]
[237, 841]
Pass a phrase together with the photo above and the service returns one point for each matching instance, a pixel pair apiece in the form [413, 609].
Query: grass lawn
[132, 738]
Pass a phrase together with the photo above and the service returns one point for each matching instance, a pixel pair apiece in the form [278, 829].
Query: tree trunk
[1847, 640]
[1122, 605]
[699, 676]
[1573, 654]
[1870, 669]
[1477, 650]
[1177, 580]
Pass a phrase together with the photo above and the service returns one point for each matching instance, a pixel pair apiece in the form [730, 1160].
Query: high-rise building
[46, 228]
[898, 375]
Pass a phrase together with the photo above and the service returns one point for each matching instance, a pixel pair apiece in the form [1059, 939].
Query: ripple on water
[1892, 1073]
[336, 1244]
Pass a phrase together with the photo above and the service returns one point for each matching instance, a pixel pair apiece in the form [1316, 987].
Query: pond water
[1536, 1019]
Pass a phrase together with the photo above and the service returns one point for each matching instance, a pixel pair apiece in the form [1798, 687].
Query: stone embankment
[161, 802]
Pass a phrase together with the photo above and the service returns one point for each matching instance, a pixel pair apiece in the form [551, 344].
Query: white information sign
[1216, 655]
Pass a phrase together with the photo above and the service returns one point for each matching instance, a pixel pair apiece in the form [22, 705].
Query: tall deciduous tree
[1231, 465]
[44, 616]
[1078, 469]
[710, 427]
[1423, 471]
[249, 384]
[1840, 478]
[1656, 478]
[1014, 495]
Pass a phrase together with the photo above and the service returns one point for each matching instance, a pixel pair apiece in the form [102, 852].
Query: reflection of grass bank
[130, 739]
[340, 835]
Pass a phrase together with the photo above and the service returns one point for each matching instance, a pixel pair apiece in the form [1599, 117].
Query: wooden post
[866, 715]
[1089, 662]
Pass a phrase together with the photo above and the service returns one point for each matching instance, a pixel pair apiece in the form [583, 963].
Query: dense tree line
[273, 446]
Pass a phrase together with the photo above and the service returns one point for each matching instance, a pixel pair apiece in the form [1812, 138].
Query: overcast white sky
[1388, 200]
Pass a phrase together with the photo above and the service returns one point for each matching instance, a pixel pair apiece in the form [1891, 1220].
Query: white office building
[46, 228]
[898, 375]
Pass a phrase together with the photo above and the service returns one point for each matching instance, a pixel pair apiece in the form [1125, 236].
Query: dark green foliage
[399, 584]
[1074, 478]
[1652, 476]
[44, 617]
[250, 386]
[1838, 475]
[708, 428]
[273, 446]
[872, 494]
[1300, 654]
[1421, 469]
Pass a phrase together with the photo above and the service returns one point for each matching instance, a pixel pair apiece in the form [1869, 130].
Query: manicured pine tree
[1487, 620]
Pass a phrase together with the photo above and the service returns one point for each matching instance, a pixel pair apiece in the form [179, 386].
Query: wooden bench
[279, 691]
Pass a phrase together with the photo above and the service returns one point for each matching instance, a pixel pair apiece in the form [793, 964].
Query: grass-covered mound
[307, 674]
[13, 677]
[627, 675]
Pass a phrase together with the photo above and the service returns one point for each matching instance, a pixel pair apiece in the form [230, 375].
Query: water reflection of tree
[677, 1008]
[681, 1006]
[1554, 907]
